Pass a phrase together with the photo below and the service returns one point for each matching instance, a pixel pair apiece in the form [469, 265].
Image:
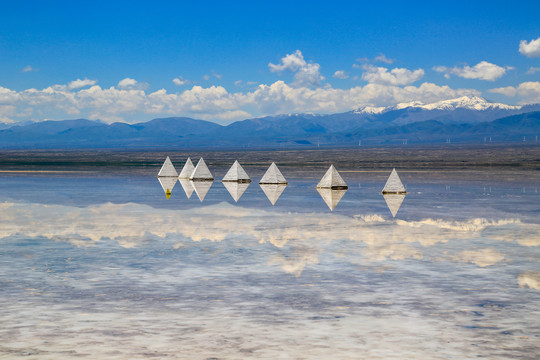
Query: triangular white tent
[236, 173]
[332, 180]
[167, 169]
[201, 172]
[394, 202]
[273, 176]
[167, 183]
[187, 170]
[201, 188]
[331, 197]
[273, 191]
[236, 189]
[186, 185]
[394, 184]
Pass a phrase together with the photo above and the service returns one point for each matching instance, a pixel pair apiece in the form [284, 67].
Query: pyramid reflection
[201, 188]
[186, 185]
[331, 197]
[273, 191]
[167, 183]
[236, 189]
[394, 202]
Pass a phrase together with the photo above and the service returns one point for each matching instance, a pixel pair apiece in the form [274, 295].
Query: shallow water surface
[104, 266]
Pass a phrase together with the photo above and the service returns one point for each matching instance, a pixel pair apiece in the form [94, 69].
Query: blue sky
[118, 61]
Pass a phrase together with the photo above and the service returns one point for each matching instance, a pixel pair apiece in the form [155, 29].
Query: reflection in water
[134, 280]
[273, 191]
[187, 186]
[167, 183]
[201, 188]
[331, 197]
[530, 279]
[394, 202]
[236, 189]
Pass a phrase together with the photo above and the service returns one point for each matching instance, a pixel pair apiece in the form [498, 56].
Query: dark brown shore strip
[348, 159]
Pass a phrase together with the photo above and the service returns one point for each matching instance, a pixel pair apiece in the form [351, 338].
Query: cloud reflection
[304, 234]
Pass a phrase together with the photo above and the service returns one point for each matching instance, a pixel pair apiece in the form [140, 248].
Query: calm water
[104, 266]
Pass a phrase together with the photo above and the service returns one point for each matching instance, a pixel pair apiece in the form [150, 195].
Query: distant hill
[462, 120]
[83, 133]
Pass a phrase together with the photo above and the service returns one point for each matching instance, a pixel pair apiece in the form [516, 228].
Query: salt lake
[101, 264]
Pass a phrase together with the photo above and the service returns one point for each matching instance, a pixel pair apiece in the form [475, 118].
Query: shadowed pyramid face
[273, 191]
[236, 189]
[273, 176]
[236, 173]
[167, 183]
[187, 170]
[332, 180]
[331, 197]
[394, 202]
[201, 188]
[201, 172]
[167, 169]
[393, 184]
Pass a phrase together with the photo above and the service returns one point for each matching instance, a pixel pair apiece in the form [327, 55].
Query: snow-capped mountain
[465, 109]
[465, 102]
[466, 119]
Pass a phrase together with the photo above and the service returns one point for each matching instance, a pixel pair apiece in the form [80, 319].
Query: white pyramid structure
[331, 197]
[201, 172]
[273, 176]
[167, 169]
[187, 170]
[394, 202]
[273, 191]
[186, 185]
[236, 189]
[236, 173]
[167, 183]
[394, 184]
[332, 180]
[201, 188]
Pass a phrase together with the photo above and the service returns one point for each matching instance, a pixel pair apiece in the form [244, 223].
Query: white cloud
[291, 62]
[305, 74]
[340, 74]
[397, 76]
[508, 91]
[528, 92]
[384, 59]
[530, 49]
[482, 71]
[127, 83]
[28, 68]
[214, 102]
[179, 81]
[308, 75]
[77, 84]
[533, 70]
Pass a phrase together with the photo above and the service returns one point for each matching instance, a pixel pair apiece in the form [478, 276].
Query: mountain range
[462, 120]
